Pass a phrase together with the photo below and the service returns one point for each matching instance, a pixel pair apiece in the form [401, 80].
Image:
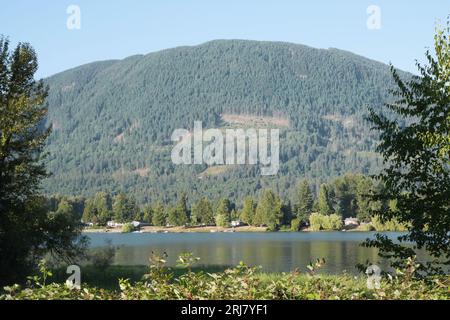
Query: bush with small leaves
[243, 283]
[127, 228]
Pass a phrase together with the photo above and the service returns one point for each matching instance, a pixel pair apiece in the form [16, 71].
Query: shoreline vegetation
[178, 229]
[186, 281]
[215, 229]
[342, 204]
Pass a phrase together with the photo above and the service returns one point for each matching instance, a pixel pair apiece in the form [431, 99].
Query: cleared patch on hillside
[251, 120]
[347, 122]
[123, 173]
[68, 87]
[56, 125]
[120, 138]
[214, 171]
[143, 172]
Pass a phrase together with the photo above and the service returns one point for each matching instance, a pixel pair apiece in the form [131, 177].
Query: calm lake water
[275, 252]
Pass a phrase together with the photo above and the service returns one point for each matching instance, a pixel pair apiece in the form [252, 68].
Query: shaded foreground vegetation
[241, 282]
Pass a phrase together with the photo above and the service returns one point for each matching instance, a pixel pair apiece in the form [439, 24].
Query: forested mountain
[112, 120]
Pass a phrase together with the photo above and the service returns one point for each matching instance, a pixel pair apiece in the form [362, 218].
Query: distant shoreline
[212, 229]
[151, 229]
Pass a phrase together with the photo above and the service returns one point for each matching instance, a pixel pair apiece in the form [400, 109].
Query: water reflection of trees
[272, 255]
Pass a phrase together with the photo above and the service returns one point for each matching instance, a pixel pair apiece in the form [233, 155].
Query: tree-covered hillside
[112, 121]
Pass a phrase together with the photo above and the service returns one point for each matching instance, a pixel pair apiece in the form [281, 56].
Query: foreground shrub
[102, 258]
[330, 222]
[127, 228]
[391, 225]
[366, 227]
[242, 282]
[222, 221]
[316, 221]
[295, 224]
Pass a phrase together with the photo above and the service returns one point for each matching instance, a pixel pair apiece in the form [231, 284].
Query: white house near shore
[235, 223]
[136, 224]
[351, 222]
[113, 224]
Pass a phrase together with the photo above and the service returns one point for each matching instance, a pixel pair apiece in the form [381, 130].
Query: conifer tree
[202, 212]
[223, 213]
[323, 201]
[305, 201]
[27, 230]
[268, 211]
[248, 211]
[159, 215]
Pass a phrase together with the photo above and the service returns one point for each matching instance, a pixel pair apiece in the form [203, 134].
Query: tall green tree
[365, 205]
[27, 229]
[172, 217]
[305, 201]
[248, 211]
[147, 215]
[202, 212]
[65, 208]
[103, 205]
[268, 211]
[323, 201]
[183, 210]
[287, 214]
[89, 212]
[124, 208]
[344, 191]
[159, 215]
[223, 213]
[179, 215]
[415, 145]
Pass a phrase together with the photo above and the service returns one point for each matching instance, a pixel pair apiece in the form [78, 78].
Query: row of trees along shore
[344, 197]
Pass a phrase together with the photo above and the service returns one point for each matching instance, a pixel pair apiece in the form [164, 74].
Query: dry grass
[347, 122]
[214, 171]
[255, 120]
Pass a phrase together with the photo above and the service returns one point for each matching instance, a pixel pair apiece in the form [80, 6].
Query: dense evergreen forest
[112, 120]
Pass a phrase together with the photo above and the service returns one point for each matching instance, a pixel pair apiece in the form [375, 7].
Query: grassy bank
[240, 282]
[108, 278]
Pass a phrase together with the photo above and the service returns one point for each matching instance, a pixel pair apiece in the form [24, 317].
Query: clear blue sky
[114, 29]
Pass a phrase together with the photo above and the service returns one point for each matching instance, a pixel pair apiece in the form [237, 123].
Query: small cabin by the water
[351, 222]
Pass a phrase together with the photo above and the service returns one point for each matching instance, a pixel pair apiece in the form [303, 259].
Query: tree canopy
[415, 148]
[28, 230]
